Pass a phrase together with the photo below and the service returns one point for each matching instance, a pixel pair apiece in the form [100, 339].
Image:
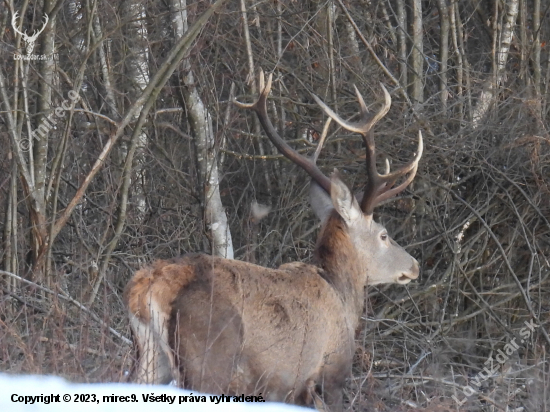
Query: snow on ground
[64, 396]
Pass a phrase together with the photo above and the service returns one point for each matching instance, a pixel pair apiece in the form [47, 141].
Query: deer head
[380, 259]
[29, 40]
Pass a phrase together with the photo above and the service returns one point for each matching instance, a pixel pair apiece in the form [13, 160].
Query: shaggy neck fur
[336, 254]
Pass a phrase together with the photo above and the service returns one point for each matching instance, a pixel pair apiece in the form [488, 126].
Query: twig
[423, 123]
[71, 300]
[505, 259]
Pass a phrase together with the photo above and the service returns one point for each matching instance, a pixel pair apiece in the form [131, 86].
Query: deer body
[224, 326]
[251, 336]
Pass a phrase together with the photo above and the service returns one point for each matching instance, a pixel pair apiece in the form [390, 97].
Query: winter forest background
[148, 158]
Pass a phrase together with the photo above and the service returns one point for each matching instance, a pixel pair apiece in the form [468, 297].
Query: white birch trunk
[201, 123]
[490, 88]
[138, 72]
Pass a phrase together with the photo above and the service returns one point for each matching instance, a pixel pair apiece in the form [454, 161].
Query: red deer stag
[231, 327]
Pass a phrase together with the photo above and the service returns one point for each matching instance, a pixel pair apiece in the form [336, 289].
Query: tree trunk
[207, 151]
[501, 56]
[417, 53]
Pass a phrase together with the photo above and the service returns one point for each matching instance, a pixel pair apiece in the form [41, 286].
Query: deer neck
[337, 256]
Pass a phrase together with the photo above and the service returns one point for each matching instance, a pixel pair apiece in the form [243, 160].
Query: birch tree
[207, 150]
[133, 171]
[416, 76]
[503, 39]
[37, 179]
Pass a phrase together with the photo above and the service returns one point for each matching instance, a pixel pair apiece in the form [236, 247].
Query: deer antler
[14, 24]
[260, 107]
[35, 35]
[378, 187]
[26, 37]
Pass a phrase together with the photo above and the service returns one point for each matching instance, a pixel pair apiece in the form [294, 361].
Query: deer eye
[384, 237]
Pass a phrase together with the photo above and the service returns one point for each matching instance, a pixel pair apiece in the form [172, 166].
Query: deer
[230, 327]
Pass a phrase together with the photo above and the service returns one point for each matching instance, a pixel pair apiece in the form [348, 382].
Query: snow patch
[15, 389]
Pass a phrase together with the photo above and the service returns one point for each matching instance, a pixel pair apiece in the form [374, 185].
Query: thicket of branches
[473, 76]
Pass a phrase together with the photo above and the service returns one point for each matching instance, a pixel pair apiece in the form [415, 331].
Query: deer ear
[319, 200]
[343, 200]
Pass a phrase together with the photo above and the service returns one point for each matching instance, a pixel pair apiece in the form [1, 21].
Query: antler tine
[14, 23]
[379, 187]
[321, 142]
[36, 33]
[365, 124]
[260, 107]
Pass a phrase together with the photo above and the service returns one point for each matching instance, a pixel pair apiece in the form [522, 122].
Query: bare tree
[207, 147]
[417, 53]
[502, 41]
[133, 171]
[35, 184]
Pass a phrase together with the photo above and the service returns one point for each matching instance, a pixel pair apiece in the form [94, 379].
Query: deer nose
[412, 274]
